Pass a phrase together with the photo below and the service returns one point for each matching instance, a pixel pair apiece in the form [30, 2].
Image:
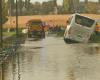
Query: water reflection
[52, 59]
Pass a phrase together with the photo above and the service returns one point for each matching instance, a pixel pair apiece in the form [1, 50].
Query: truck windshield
[84, 21]
[36, 23]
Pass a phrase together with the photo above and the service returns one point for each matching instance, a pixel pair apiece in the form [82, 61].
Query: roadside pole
[17, 38]
[16, 19]
[1, 34]
[1, 41]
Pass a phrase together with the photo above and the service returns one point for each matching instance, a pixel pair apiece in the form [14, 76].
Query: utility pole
[16, 19]
[17, 37]
[1, 38]
[1, 31]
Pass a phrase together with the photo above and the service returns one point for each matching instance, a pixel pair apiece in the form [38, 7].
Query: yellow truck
[36, 28]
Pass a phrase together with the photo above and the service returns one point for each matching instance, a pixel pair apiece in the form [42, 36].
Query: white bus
[79, 29]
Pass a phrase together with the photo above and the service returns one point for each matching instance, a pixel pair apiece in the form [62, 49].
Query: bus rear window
[84, 21]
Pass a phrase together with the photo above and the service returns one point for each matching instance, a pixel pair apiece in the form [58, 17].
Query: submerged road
[53, 59]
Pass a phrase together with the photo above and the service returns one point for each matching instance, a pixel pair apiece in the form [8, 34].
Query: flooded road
[52, 59]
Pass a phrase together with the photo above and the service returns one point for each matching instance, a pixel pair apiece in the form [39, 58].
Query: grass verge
[11, 39]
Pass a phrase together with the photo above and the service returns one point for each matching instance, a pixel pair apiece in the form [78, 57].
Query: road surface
[53, 59]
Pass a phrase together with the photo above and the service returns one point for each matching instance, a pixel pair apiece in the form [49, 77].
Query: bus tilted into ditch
[79, 29]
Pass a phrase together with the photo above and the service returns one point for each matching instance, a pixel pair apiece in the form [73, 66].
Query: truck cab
[35, 28]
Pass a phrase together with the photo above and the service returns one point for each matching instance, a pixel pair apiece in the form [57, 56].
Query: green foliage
[25, 7]
[20, 6]
[91, 7]
[36, 8]
[66, 5]
[47, 7]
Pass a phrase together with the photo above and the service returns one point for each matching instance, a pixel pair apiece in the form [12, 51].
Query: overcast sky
[58, 1]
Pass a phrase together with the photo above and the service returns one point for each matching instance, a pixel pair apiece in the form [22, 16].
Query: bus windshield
[84, 21]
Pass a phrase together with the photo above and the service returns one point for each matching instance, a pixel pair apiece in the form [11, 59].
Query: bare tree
[76, 5]
[68, 5]
[11, 7]
[27, 4]
[99, 1]
[20, 3]
[86, 1]
[55, 6]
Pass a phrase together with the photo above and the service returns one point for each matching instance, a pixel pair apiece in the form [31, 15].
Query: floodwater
[53, 59]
